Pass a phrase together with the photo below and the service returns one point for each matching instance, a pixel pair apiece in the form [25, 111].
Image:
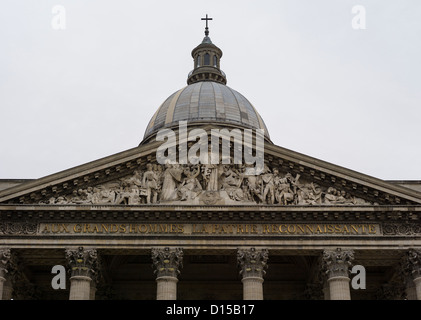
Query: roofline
[81, 170]
[339, 171]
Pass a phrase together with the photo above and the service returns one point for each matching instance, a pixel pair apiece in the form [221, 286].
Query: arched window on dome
[215, 61]
[207, 59]
[198, 61]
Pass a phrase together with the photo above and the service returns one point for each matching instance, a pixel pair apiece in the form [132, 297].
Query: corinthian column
[336, 264]
[167, 263]
[411, 269]
[252, 265]
[83, 269]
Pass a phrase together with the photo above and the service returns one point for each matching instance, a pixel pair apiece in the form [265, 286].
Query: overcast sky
[325, 89]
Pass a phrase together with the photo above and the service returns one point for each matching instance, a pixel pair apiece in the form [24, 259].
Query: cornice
[252, 214]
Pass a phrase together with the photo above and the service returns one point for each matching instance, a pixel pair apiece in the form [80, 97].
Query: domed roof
[206, 102]
[207, 99]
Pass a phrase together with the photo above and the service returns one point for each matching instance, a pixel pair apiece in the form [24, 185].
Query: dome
[206, 99]
[206, 102]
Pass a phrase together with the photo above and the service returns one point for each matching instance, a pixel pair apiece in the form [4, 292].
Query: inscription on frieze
[215, 229]
[210, 229]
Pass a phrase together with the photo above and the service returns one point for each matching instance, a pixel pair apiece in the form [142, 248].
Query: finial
[207, 29]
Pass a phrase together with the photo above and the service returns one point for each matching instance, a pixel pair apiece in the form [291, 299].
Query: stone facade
[129, 227]
[314, 217]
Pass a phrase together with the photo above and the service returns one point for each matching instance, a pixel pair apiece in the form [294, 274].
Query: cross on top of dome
[207, 29]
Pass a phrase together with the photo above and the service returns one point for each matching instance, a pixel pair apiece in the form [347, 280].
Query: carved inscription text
[209, 229]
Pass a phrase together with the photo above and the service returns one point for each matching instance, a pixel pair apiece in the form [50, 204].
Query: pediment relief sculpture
[208, 184]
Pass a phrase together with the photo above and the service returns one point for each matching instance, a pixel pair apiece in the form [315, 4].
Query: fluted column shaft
[410, 289]
[339, 288]
[7, 290]
[166, 288]
[252, 264]
[2, 281]
[252, 288]
[167, 263]
[80, 288]
[417, 282]
[336, 264]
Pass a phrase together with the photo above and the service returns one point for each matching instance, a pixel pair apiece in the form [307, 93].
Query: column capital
[411, 264]
[82, 262]
[5, 260]
[252, 262]
[8, 264]
[13, 275]
[336, 262]
[167, 262]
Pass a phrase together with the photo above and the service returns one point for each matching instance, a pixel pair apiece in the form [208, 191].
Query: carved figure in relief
[173, 182]
[190, 187]
[230, 176]
[359, 201]
[79, 196]
[309, 193]
[128, 194]
[271, 181]
[315, 194]
[287, 189]
[136, 179]
[160, 178]
[341, 197]
[211, 174]
[332, 196]
[60, 200]
[105, 195]
[253, 188]
[231, 183]
[150, 183]
[172, 177]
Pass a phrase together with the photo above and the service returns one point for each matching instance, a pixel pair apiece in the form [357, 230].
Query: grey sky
[349, 97]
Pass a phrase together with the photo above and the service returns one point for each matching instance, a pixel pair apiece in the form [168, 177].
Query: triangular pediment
[289, 178]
